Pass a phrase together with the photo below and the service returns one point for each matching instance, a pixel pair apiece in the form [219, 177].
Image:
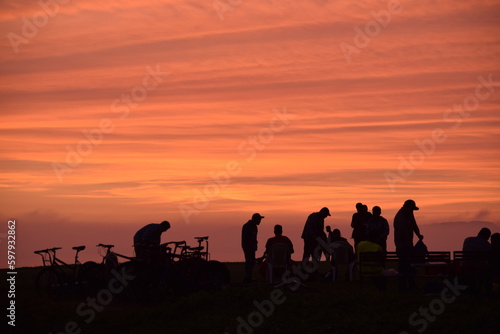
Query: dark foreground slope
[318, 307]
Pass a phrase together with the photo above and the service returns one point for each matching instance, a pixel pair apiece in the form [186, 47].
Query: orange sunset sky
[116, 114]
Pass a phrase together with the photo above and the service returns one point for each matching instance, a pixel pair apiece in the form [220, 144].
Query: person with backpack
[405, 226]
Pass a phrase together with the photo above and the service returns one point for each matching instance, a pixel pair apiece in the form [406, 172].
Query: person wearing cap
[147, 236]
[314, 229]
[404, 227]
[249, 244]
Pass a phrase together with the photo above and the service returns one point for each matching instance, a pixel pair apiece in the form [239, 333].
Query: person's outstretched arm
[416, 229]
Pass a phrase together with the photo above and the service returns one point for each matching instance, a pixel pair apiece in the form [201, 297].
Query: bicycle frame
[55, 273]
[174, 269]
[196, 252]
[50, 259]
[47, 255]
[108, 252]
[204, 254]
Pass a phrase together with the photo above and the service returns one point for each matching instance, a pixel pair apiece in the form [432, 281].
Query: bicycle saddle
[79, 248]
[105, 246]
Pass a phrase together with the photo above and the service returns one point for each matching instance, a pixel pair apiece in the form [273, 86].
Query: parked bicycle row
[159, 270]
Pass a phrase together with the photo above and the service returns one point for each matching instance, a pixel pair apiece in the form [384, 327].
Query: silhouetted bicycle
[210, 274]
[97, 275]
[173, 270]
[58, 278]
[199, 251]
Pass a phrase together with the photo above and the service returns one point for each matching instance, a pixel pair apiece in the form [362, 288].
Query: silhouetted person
[278, 238]
[478, 270]
[342, 248]
[495, 258]
[329, 234]
[479, 243]
[404, 227]
[328, 240]
[147, 236]
[249, 244]
[495, 242]
[359, 222]
[370, 245]
[378, 227]
[336, 236]
[314, 229]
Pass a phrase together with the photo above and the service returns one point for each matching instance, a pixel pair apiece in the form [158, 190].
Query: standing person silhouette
[314, 229]
[359, 222]
[149, 235]
[249, 244]
[404, 227]
[378, 227]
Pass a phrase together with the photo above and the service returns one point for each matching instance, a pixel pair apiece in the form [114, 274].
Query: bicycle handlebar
[47, 250]
[201, 238]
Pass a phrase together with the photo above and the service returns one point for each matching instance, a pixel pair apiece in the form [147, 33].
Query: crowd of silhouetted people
[369, 233]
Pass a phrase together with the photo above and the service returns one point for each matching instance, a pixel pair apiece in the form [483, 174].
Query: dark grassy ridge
[320, 307]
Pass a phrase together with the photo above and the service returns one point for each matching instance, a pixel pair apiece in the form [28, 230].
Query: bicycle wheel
[178, 284]
[91, 278]
[150, 283]
[133, 289]
[48, 283]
